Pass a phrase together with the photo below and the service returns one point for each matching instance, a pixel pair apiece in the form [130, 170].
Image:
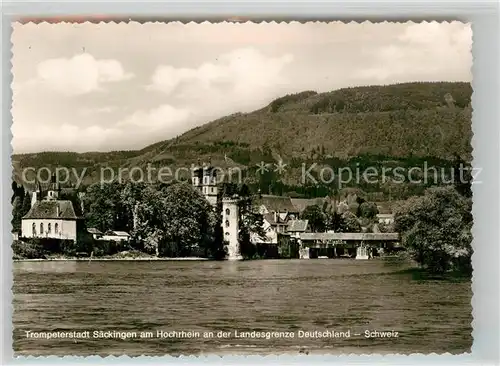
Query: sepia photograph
[240, 188]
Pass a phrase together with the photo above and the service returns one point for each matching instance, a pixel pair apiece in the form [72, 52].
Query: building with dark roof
[280, 204]
[50, 217]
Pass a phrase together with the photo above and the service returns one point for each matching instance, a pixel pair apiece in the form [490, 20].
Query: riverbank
[98, 259]
[122, 256]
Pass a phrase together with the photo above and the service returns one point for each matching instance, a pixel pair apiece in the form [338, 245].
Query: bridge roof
[351, 236]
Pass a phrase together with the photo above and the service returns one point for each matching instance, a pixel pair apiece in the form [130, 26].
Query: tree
[337, 223]
[462, 176]
[250, 222]
[130, 196]
[26, 206]
[359, 202]
[317, 219]
[368, 210]
[185, 219]
[149, 224]
[17, 214]
[351, 222]
[436, 229]
[103, 209]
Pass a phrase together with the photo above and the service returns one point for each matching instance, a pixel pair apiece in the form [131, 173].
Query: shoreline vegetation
[435, 230]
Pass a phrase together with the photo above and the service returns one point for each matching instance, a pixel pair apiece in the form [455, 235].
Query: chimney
[275, 216]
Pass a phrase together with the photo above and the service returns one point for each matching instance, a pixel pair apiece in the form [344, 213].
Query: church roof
[276, 203]
[49, 210]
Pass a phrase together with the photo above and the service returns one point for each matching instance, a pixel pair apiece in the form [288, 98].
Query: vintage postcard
[241, 188]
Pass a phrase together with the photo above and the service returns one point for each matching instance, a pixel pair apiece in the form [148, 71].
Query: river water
[286, 296]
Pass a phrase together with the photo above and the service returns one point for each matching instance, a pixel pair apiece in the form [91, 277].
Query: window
[227, 223]
[227, 211]
[49, 227]
[41, 228]
[56, 228]
[212, 189]
[33, 229]
[227, 234]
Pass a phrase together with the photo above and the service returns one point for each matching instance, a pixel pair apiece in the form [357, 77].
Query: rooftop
[297, 225]
[52, 210]
[276, 203]
[117, 233]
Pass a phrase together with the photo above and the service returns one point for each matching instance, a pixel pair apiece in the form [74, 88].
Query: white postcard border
[486, 128]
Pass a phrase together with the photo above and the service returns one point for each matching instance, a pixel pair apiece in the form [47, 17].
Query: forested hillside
[395, 125]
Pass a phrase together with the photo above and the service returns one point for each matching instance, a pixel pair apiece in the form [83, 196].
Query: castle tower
[204, 179]
[230, 227]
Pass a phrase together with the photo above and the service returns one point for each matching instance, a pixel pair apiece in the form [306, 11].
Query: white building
[50, 217]
[117, 236]
[96, 234]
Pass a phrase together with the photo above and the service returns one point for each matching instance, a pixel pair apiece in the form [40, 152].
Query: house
[96, 234]
[271, 232]
[51, 218]
[116, 236]
[281, 207]
[276, 211]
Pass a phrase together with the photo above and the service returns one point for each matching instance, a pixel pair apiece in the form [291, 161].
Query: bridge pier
[304, 253]
[361, 252]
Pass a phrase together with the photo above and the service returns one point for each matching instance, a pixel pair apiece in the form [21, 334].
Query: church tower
[53, 192]
[230, 227]
[204, 179]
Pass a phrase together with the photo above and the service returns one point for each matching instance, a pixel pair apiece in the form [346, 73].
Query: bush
[32, 249]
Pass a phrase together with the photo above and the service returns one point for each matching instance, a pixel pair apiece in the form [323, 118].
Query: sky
[103, 87]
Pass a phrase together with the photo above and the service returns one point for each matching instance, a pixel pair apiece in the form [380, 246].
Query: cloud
[243, 69]
[164, 117]
[237, 81]
[80, 74]
[63, 137]
[424, 51]
[134, 131]
[98, 110]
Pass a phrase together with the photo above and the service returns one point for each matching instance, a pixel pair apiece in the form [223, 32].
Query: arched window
[227, 223]
[56, 228]
[227, 234]
[33, 229]
[49, 227]
[41, 228]
[227, 211]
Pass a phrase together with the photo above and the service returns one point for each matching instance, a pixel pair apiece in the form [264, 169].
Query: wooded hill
[402, 124]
